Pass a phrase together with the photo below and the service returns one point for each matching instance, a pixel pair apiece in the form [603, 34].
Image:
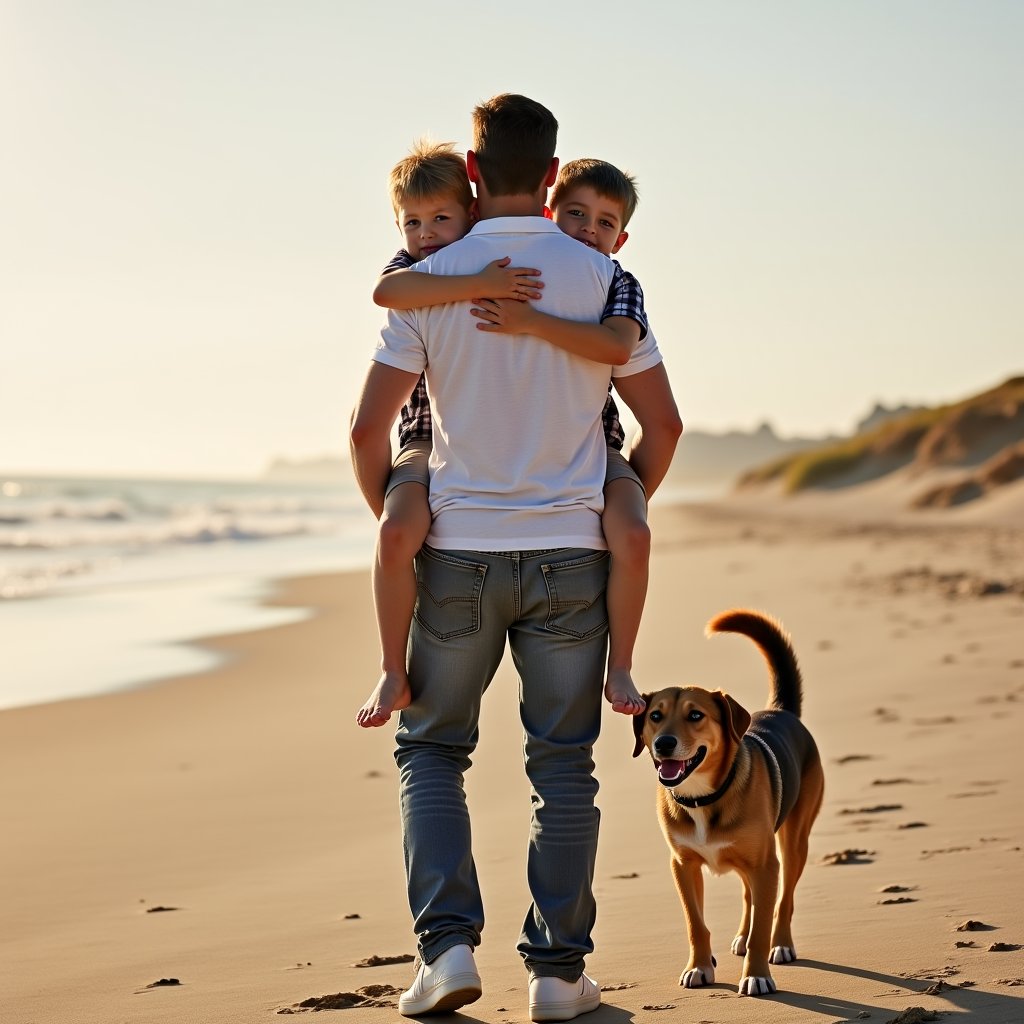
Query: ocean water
[104, 581]
[107, 583]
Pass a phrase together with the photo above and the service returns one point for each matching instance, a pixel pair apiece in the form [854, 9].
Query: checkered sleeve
[400, 261]
[416, 423]
[614, 435]
[626, 298]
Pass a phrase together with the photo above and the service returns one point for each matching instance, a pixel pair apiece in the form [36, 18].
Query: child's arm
[612, 341]
[408, 289]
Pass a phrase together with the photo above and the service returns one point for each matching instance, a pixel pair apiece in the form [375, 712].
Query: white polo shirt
[519, 452]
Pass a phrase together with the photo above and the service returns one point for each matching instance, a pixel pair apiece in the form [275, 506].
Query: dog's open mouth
[672, 772]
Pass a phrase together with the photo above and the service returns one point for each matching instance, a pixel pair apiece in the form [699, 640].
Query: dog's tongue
[669, 770]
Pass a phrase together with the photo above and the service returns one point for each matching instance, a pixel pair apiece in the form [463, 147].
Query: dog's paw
[739, 945]
[753, 986]
[697, 977]
[782, 955]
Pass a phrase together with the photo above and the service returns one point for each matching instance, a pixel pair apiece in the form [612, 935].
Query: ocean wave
[207, 529]
[24, 581]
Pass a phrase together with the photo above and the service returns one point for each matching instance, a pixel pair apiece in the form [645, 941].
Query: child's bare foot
[392, 693]
[622, 694]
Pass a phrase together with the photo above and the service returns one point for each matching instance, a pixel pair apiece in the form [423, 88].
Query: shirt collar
[516, 225]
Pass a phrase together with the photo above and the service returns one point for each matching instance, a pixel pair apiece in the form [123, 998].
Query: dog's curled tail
[786, 690]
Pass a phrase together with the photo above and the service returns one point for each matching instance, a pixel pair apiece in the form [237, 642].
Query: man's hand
[500, 281]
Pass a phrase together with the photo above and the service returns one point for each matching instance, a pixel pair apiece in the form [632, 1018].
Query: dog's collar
[710, 798]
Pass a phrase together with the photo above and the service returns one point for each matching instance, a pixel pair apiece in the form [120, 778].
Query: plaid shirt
[625, 298]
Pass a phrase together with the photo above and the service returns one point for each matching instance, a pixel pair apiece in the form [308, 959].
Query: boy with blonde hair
[434, 206]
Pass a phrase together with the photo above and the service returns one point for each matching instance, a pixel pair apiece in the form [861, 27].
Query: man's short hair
[604, 178]
[514, 141]
[431, 169]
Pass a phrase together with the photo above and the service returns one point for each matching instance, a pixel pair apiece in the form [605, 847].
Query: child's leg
[629, 541]
[403, 528]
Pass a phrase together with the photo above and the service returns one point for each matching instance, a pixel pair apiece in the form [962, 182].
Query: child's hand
[503, 317]
[500, 281]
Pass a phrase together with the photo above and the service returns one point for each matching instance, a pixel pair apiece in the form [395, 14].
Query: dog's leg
[739, 944]
[793, 837]
[763, 880]
[700, 968]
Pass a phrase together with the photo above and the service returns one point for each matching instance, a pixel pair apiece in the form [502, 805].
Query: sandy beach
[235, 831]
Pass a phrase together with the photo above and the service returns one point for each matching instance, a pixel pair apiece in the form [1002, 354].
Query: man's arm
[385, 390]
[649, 396]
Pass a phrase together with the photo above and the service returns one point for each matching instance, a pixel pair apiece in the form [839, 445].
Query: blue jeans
[550, 605]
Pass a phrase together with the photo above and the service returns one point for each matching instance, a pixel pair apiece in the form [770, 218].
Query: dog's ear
[735, 717]
[638, 724]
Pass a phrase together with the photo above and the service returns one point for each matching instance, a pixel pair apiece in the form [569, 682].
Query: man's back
[519, 452]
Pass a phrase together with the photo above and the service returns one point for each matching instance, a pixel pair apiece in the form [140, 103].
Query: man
[515, 553]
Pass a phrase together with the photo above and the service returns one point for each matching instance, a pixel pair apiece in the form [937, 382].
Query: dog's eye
[655, 716]
[695, 715]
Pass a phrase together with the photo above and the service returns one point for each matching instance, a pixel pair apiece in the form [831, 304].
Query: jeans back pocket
[448, 593]
[576, 595]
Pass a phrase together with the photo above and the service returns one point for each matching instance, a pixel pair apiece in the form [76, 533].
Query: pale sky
[193, 204]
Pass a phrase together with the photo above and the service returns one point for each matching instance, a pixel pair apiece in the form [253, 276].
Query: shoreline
[248, 799]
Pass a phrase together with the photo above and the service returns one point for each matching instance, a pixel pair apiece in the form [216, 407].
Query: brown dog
[729, 781]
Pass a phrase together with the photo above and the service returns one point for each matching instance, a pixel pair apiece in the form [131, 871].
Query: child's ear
[620, 241]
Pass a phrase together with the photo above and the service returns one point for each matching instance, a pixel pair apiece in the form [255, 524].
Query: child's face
[591, 219]
[431, 224]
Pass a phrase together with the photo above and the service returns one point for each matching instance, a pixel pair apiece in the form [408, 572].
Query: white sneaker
[555, 999]
[446, 984]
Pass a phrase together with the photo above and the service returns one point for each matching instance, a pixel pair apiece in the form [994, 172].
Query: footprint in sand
[1004, 947]
[384, 961]
[927, 854]
[914, 824]
[849, 857]
[371, 995]
[975, 926]
[896, 900]
[894, 782]
[898, 888]
[876, 809]
[632, 874]
[849, 758]
[162, 983]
